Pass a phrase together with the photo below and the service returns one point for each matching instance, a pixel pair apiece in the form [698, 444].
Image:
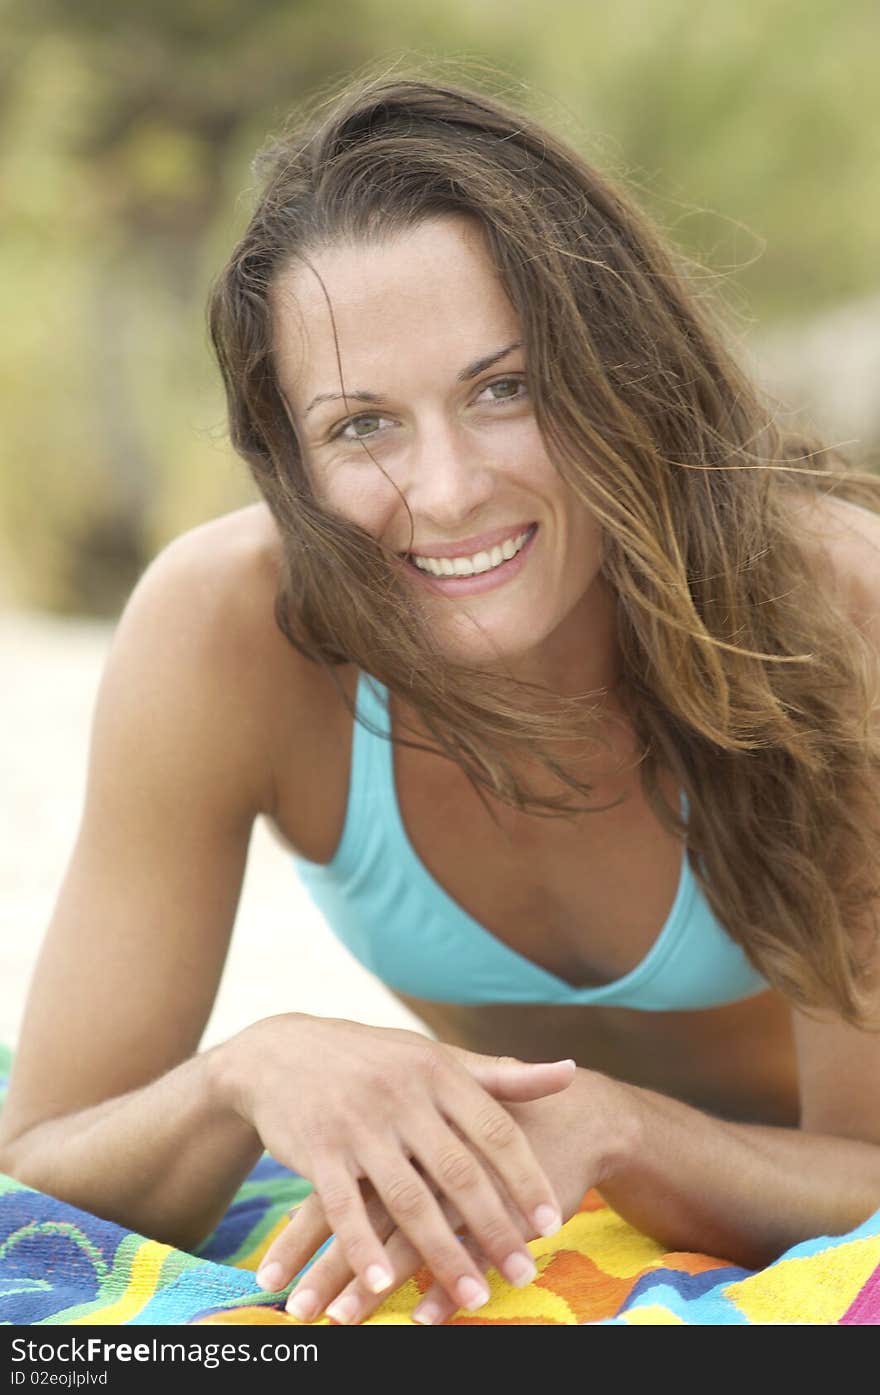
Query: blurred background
[751, 132]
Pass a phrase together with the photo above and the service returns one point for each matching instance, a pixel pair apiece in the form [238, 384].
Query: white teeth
[471, 566]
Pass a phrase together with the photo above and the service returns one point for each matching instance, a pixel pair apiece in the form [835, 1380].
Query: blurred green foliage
[751, 132]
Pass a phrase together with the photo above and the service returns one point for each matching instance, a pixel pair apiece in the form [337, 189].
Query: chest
[584, 898]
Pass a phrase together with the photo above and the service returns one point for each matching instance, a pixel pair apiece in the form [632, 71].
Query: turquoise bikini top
[386, 907]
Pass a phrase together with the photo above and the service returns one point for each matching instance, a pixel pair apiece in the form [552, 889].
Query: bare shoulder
[220, 573]
[211, 593]
[847, 536]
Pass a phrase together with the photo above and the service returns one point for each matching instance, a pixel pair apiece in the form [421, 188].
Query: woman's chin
[486, 647]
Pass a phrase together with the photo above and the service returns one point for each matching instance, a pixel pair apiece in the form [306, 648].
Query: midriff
[736, 1061]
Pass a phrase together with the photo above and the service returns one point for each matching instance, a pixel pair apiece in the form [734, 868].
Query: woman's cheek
[347, 490]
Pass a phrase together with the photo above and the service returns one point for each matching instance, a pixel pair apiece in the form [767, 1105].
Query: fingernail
[547, 1220]
[271, 1277]
[344, 1309]
[519, 1270]
[471, 1294]
[304, 1305]
[377, 1278]
[427, 1313]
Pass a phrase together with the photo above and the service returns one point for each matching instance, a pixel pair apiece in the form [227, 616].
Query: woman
[520, 512]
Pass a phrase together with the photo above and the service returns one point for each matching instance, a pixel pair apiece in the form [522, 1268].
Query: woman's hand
[339, 1102]
[576, 1135]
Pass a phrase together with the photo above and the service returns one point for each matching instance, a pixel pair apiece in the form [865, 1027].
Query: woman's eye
[341, 431]
[514, 383]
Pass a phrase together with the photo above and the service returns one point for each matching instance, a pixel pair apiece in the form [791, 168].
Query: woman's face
[435, 376]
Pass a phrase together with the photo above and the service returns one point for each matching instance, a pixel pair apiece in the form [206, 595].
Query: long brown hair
[740, 673]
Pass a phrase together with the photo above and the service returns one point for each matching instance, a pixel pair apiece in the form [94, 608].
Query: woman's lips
[483, 581]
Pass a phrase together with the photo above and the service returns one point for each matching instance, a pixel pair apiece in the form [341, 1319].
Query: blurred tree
[138, 110]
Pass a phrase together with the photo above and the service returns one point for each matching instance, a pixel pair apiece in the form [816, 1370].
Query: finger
[461, 1178]
[411, 1203]
[435, 1306]
[346, 1300]
[305, 1232]
[331, 1273]
[345, 1297]
[337, 1189]
[507, 1078]
[491, 1130]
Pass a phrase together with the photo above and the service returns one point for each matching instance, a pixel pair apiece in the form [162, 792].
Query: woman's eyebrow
[472, 370]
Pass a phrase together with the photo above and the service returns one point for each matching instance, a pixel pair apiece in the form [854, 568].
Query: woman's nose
[449, 480]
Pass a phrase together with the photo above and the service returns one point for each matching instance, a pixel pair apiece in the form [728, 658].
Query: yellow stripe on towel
[143, 1281]
[818, 1287]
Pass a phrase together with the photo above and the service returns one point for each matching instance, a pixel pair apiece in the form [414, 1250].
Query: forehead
[428, 296]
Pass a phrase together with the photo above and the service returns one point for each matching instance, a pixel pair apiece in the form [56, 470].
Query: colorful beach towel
[60, 1265]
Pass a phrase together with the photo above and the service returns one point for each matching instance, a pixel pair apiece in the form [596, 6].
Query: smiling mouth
[465, 567]
[487, 577]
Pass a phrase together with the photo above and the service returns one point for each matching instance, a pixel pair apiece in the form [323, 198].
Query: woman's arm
[743, 1192]
[748, 1192]
[105, 1108]
[164, 1160]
